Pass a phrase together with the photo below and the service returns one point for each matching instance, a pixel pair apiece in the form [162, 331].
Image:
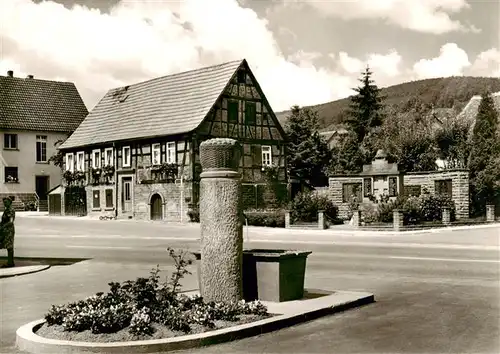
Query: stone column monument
[221, 221]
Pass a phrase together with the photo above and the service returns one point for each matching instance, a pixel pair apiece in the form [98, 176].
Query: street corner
[314, 304]
[22, 270]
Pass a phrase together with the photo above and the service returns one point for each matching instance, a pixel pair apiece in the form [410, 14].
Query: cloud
[385, 65]
[428, 16]
[303, 58]
[137, 41]
[451, 61]
[487, 63]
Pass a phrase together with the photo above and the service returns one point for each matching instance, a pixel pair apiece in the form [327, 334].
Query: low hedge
[254, 217]
[305, 206]
[268, 218]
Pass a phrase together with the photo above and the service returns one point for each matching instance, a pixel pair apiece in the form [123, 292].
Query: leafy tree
[346, 157]
[485, 153]
[365, 108]
[57, 159]
[407, 139]
[452, 142]
[308, 153]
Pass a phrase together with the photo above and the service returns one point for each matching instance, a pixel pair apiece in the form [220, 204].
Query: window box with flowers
[166, 172]
[68, 177]
[79, 177]
[96, 174]
[108, 173]
[11, 179]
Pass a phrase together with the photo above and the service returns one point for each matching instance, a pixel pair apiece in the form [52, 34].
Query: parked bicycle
[106, 217]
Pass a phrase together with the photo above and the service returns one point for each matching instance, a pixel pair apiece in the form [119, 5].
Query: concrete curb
[27, 339]
[13, 272]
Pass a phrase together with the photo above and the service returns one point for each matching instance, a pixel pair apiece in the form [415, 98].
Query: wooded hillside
[450, 92]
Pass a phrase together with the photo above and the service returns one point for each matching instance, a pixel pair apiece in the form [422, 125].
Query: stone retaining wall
[170, 193]
[459, 182]
[335, 193]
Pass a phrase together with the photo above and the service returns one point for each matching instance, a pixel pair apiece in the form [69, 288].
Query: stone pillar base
[446, 217]
[490, 213]
[398, 220]
[356, 218]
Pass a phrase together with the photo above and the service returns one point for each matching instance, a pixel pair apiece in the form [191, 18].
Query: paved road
[435, 292]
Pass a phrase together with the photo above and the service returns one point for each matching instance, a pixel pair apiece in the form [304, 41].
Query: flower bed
[145, 309]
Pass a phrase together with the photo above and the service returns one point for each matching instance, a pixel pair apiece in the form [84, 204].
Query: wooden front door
[42, 186]
[156, 207]
[127, 194]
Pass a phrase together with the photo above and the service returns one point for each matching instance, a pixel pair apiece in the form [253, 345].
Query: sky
[302, 52]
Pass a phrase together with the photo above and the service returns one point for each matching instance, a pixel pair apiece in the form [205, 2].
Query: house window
[267, 158]
[250, 113]
[127, 193]
[80, 161]
[70, 162]
[156, 154]
[108, 157]
[109, 198]
[11, 175]
[10, 141]
[242, 77]
[41, 148]
[96, 159]
[126, 156]
[350, 190]
[232, 111]
[171, 152]
[96, 199]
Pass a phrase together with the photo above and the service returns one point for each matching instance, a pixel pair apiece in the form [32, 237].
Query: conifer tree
[485, 152]
[365, 108]
[308, 153]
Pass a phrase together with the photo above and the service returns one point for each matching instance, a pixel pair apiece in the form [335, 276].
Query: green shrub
[368, 213]
[385, 210]
[194, 214]
[426, 207]
[268, 218]
[305, 207]
[412, 211]
[141, 303]
[432, 206]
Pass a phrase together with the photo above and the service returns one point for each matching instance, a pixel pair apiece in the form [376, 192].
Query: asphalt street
[435, 292]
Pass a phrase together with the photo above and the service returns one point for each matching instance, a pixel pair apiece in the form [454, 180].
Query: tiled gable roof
[42, 105]
[469, 112]
[168, 105]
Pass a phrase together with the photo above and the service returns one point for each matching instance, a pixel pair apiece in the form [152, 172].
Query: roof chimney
[29, 77]
[10, 73]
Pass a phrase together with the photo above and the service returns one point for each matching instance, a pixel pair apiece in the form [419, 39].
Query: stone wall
[335, 191]
[460, 186]
[173, 197]
[101, 209]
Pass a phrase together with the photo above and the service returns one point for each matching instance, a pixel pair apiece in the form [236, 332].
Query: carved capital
[220, 154]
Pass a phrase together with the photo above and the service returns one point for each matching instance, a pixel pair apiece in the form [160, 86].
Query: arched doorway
[156, 207]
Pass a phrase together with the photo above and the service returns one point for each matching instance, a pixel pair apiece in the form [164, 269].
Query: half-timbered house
[137, 152]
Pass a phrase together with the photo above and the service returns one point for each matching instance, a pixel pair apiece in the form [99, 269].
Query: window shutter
[232, 111]
[256, 155]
